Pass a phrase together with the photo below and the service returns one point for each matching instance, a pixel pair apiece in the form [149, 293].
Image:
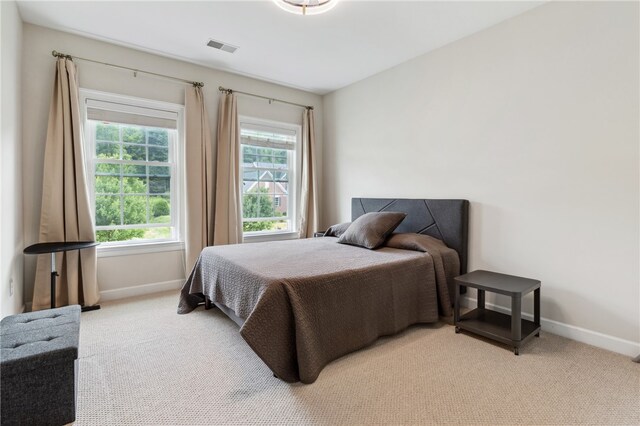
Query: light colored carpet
[141, 363]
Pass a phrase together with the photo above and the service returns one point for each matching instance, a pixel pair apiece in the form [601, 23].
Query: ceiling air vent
[222, 46]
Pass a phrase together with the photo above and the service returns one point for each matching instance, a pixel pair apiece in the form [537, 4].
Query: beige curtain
[308, 218]
[228, 208]
[65, 214]
[199, 176]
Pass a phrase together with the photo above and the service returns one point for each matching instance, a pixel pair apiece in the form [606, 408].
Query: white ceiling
[318, 53]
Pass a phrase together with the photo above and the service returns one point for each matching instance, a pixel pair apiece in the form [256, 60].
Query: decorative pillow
[337, 230]
[415, 242]
[371, 229]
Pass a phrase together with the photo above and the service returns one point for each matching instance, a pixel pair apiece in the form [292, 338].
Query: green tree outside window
[121, 189]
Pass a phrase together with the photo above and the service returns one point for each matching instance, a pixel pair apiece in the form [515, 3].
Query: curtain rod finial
[57, 54]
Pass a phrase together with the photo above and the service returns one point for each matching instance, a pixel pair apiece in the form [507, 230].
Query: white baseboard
[590, 337]
[123, 293]
[139, 290]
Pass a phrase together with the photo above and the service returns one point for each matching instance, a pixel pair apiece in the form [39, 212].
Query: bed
[301, 304]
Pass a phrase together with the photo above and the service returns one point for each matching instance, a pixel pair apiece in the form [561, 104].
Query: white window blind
[113, 112]
[267, 136]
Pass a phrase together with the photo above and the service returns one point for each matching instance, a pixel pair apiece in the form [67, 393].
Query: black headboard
[447, 220]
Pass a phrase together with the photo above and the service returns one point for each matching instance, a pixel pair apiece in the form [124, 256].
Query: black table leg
[516, 323]
[456, 305]
[54, 274]
[480, 299]
[536, 309]
[53, 289]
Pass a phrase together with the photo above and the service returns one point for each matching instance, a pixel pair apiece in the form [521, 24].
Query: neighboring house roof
[265, 176]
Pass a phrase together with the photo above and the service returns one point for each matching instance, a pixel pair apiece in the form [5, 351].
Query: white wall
[536, 122]
[124, 272]
[11, 241]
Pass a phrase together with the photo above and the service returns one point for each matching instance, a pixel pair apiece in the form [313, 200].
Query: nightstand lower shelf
[495, 325]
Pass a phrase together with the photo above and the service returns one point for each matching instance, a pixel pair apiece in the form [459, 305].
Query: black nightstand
[509, 329]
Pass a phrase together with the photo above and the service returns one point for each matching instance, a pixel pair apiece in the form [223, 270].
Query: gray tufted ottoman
[38, 361]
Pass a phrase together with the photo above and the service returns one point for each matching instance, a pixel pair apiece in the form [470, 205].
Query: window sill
[275, 236]
[141, 248]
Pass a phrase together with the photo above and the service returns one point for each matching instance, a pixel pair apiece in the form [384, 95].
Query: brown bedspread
[307, 302]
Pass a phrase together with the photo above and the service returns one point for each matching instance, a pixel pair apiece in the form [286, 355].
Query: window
[268, 159]
[132, 167]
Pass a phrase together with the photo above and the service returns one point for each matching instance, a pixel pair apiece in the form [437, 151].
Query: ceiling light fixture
[306, 7]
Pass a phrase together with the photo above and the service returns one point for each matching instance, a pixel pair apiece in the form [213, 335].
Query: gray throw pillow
[337, 230]
[371, 229]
